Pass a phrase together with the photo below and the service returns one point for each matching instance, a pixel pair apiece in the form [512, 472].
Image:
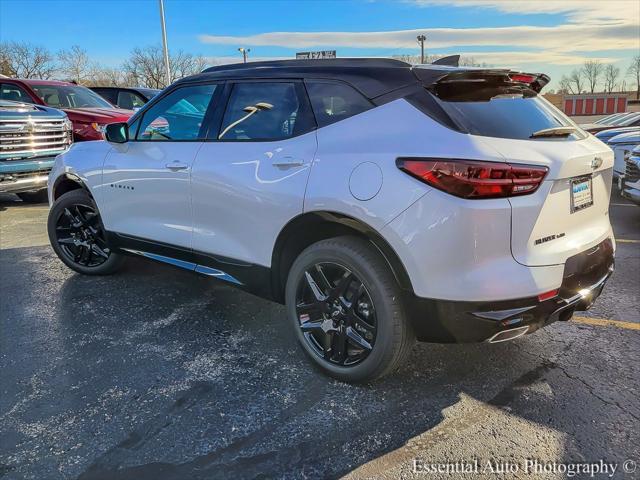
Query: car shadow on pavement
[155, 373]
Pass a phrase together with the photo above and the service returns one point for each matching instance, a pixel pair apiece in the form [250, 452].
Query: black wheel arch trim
[311, 227]
[66, 183]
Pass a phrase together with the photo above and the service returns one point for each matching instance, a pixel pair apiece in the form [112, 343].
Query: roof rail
[328, 62]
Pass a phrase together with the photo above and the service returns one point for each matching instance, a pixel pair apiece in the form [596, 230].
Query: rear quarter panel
[380, 136]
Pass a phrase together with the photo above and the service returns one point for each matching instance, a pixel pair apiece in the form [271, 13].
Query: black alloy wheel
[80, 235]
[336, 314]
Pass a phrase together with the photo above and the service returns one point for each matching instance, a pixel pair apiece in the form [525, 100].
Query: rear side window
[265, 111]
[107, 94]
[129, 100]
[503, 115]
[333, 102]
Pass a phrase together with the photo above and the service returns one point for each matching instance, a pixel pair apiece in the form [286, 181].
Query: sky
[549, 36]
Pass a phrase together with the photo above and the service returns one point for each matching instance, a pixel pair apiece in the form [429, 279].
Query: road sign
[316, 55]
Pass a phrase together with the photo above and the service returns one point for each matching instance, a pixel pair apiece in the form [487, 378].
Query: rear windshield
[516, 115]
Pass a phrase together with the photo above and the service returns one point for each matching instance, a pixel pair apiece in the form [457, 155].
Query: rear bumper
[25, 175]
[585, 275]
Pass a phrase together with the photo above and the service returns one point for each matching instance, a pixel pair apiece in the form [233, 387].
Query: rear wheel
[78, 237]
[346, 308]
[39, 196]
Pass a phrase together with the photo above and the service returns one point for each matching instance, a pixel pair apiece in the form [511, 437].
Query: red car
[87, 110]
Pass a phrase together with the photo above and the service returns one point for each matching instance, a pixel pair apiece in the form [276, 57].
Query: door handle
[288, 161]
[176, 166]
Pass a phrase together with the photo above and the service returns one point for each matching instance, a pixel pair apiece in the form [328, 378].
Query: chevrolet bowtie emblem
[596, 162]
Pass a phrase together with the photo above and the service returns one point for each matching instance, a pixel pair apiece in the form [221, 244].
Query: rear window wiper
[554, 132]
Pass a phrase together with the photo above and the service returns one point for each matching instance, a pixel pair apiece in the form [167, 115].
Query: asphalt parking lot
[156, 373]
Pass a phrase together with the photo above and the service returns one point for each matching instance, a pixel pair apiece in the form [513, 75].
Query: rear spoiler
[442, 73]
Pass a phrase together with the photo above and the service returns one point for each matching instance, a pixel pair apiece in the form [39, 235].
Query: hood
[606, 135]
[98, 115]
[629, 137]
[9, 110]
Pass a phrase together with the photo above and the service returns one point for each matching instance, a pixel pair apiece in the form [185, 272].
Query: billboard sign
[316, 55]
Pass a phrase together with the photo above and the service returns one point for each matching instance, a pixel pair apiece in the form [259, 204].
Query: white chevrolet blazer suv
[380, 202]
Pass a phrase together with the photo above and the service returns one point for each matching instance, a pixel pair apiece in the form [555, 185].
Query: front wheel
[78, 237]
[346, 308]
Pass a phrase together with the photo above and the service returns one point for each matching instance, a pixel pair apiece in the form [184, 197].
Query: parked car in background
[380, 201]
[129, 98]
[30, 138]
[630, 184]
[622, 145]
[606, 135]
[610, 119]
[87, 110]
[630, 120]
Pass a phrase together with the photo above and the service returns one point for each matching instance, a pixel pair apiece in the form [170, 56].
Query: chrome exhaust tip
[509, 334]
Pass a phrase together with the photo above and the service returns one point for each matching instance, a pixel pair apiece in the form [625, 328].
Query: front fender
[82, 163]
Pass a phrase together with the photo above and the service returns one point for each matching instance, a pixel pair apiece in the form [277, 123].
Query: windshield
[69, 96]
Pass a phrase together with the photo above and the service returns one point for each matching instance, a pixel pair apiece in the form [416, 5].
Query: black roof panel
[328, 62]
[372, 76]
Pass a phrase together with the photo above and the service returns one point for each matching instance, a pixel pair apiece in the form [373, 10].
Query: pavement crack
[553, 364]
[590, 388]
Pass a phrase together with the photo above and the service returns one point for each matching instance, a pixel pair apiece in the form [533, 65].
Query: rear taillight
[474, 179]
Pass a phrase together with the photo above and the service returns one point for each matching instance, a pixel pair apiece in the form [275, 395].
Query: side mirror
[117, 132]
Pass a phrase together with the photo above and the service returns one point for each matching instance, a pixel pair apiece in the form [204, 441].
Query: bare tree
[25, 60]
[145, 66]
[75, 64]
[611, 74]
[6, 67]
[634, 71]
[592, 70]
[415, 60]
[566, 85]
[411, 59]
[184, 64]
[106, 77]
[575, 79]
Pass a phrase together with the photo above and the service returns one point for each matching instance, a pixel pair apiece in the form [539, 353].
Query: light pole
[164, 43]
[421, 39]
[245, 53]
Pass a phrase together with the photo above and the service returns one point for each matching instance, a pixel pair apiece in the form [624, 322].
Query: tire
[39, 196]
[78, 237]
[370, 306]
